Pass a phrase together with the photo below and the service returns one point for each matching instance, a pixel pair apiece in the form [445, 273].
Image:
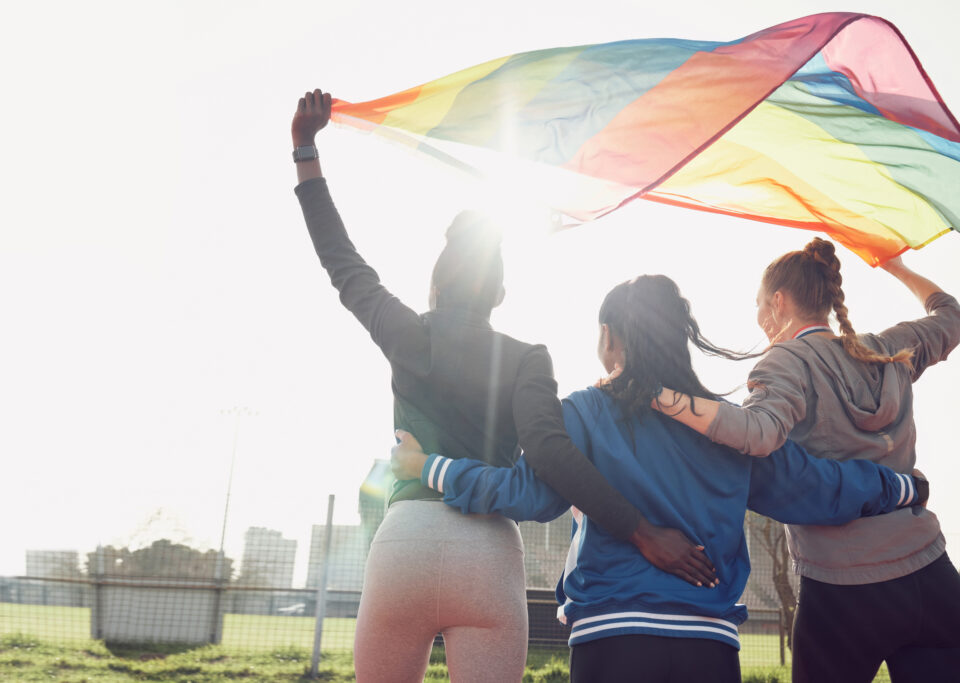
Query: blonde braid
[824, 254]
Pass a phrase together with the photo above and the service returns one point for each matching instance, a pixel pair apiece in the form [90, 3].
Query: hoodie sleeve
[794, 487]
[777, 402]
[932, 338]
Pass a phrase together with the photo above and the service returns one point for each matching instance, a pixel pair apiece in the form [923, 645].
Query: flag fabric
[827, 123]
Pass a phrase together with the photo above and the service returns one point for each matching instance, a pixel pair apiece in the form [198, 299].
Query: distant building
[349, 545]
[53, 564]
[44, 568]
[374, 494]
[268, 558]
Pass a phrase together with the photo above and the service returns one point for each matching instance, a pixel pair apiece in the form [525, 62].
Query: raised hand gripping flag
[826, 123]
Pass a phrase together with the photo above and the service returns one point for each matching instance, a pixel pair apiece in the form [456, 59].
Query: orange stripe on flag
[375, 111]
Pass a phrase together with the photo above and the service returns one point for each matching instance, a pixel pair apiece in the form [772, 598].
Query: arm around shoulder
[795, 487]
[475, 487]
[554, 456]
[776, 403]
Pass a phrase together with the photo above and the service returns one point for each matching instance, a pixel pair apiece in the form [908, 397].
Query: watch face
[305, 153]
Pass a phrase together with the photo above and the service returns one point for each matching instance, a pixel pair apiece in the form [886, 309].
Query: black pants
[843, 633]
[654, 659]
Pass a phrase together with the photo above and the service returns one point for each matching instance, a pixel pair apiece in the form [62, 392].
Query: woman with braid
[878, 589]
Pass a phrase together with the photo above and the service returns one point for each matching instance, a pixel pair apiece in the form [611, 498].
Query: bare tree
[771, 536]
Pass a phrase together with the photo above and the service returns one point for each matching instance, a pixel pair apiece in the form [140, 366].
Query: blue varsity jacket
[679, 479]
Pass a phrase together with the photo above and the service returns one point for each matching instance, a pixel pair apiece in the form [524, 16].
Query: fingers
[314, 101]
[686, 576]
[408, 440]
[702, 567]
[923, 487]
[696, 568]
[395, 465]
[702, 575]
[315, 106]
[700, 558]
[691, 572]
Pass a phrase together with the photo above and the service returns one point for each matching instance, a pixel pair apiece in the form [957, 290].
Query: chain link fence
[170, 593]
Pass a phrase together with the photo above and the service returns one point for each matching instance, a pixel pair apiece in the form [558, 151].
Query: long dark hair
[812, 277]
[656, 327]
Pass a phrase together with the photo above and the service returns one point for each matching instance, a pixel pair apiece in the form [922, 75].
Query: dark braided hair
[812, 277]
[654, 323]
[469, 271]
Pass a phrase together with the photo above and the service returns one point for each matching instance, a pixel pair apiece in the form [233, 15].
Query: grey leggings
[434, 570]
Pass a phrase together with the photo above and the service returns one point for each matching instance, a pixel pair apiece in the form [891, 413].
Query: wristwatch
[305, 153]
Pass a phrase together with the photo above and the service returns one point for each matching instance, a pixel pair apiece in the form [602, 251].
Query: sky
[164, 314]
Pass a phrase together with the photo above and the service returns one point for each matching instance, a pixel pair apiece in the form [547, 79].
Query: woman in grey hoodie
[875, 589]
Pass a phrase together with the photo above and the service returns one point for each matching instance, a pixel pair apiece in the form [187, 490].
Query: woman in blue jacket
[630, 620]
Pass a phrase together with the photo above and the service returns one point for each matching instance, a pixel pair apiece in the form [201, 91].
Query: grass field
[240, 631]
[39, 643]
[28, 660]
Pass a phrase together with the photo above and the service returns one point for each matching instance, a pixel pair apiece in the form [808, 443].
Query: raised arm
[393, 326]
[933, 337]
[795, 487]
[312, 115]
[921, 287]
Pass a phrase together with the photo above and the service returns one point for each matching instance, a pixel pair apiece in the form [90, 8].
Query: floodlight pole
[239, 412]
[216, 628]
[321, 610]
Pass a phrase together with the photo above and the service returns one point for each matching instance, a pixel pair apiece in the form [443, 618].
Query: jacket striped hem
[651, 623]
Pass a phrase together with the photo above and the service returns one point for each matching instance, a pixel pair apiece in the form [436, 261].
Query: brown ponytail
[812, 277]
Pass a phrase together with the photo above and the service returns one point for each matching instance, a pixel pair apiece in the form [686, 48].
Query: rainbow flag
[826, 123]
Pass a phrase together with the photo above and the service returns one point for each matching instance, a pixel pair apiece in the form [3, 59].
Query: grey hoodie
[811, 391]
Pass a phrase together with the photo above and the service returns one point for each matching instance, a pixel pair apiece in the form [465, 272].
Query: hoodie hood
[872, 392]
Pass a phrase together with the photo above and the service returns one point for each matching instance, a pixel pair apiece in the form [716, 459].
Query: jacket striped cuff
[908, 491]
[434, 470]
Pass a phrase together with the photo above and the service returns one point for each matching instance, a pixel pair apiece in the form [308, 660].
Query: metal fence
[166, 592]
[170, 593]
